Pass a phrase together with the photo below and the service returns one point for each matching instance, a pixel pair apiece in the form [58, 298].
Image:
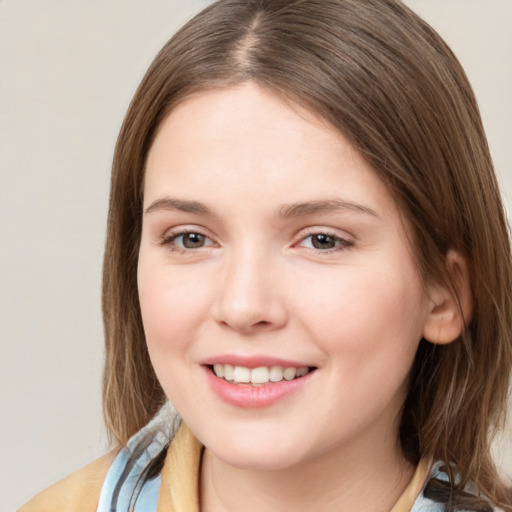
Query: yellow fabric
[412, 491]
[79, 492]
[179, 490]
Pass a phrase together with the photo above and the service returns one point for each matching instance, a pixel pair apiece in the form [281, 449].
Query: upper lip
[252, 361]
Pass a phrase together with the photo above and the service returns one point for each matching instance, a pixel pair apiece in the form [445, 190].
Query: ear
[450, 304]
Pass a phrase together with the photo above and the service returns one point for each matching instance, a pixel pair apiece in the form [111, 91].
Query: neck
[362, 477]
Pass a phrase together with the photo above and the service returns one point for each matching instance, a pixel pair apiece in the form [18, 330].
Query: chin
[258, 453]
[258, 461]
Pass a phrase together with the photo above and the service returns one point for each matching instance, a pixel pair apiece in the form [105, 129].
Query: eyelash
[170, 238]
[342, 243]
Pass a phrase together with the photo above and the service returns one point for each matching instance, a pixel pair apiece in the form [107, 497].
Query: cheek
[367, 318]
[170, 307]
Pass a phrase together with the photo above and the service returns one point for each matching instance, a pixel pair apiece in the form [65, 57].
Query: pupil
[323, 242]
[193, 240]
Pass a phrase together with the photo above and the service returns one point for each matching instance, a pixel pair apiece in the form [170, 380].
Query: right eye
[186, 240]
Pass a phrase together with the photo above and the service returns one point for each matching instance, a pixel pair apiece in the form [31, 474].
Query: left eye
[324, 242]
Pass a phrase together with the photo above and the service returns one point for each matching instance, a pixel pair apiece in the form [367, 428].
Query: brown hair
[387, 82]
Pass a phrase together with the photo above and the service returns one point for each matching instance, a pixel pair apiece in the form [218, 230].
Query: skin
[258, 286]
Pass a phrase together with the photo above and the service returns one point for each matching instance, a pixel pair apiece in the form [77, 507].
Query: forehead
[248, 140]
[249, 116]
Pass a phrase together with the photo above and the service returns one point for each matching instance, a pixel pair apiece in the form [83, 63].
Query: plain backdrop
[68, 69]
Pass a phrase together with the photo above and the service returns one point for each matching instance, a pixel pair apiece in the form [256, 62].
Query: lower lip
[251, 397]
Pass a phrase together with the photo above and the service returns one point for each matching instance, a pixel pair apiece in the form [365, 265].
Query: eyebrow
[285, 212]
[169, 203]
[324, 206]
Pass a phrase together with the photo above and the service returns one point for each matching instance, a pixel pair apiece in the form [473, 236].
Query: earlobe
[450, 303]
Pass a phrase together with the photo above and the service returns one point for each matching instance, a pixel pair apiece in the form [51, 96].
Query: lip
[247, 396]
[252, 361]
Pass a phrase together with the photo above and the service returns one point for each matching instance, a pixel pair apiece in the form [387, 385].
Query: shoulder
[79, 492]
[116, 473]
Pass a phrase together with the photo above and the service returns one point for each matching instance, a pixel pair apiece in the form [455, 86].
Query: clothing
[176, 489]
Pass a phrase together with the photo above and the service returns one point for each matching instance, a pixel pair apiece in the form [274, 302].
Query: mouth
[256, 382]
[260, 376]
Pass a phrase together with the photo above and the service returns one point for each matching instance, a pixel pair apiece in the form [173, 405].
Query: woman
[308, 256]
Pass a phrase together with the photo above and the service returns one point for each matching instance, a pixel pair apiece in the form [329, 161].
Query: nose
[250, 295]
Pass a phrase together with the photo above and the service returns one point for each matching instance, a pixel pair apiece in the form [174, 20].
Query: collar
[179, 490]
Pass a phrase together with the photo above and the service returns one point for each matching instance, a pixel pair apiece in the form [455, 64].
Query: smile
[258, 376]
[250, 384]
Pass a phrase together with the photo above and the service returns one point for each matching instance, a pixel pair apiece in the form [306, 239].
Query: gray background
[68, 70]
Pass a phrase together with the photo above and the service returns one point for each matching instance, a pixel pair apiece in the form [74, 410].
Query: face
[280, 299]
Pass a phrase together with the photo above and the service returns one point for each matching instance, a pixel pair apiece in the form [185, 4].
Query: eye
[191, 240]
[324, 242]
[186, 240]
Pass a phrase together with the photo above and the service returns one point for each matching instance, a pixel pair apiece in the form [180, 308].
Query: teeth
[260, 375]
[302, 371]
[219, 370]
[228, 371]
[241, 374]
[276, 374]
[289, 373]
